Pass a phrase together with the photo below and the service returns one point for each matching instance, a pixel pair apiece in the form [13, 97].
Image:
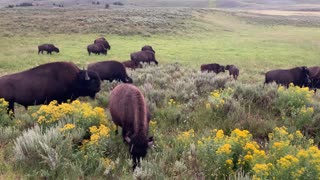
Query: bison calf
[110, 70]
[47, 47]
[143, 56]
[131, 64]
[233, 71]
[128, 110]
[299, 76]
[217, 68]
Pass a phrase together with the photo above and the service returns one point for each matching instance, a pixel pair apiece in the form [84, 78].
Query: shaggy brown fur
[217, 68]
[129, 111]
[47, 47]
[143, 56]
[233, 71]
[96, 49]
[148, 48]
[131, 64]
[103, 41]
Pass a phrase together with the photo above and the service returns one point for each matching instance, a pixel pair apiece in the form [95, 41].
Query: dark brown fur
[47, 47]
[104, 42]
[110, 70]
[131, 64]
[299, 76]
[129, 111]
[214, 67]
[148, 48]
[52, 81]
[233, 71]
[96, 49]
[143, 56]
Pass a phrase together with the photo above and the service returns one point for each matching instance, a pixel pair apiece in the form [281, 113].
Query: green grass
[212, 37]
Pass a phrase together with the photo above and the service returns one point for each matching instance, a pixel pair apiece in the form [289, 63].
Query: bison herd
[63, 81]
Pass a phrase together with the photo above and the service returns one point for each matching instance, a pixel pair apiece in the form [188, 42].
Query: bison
[47, 47]
[148, 48]
[314, 75]
[104, 42]
[217, 68]
[143, 56]
[128, 110]
[110, 70]
[59, 81]
[96, 49]
[131, 64]
[299, 76]
[233, 71]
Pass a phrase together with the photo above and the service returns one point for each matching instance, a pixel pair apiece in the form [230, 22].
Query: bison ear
[150, 141]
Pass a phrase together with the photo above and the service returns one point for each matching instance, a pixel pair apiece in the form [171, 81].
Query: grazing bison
[110, 70]
[131, 64]
[299, 76]
[148, 48]
[59, 81]
[217, 68]
[96, 49]
[143, 56]
[129, 111]
[233, 70]
[104, 42]
[47, 47]
[314, 75]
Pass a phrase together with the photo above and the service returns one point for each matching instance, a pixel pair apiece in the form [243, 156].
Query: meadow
[206, 126]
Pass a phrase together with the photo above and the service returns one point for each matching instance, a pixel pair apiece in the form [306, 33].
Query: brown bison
[96, 49]
[110, 70]
[299, 76]
[233, 71]
[314, 75]
[143, 56]
[104, 42]
[131, 64]
[217, 68]
[129, 111]
[59, 81]
[47, 47]
[148, 48]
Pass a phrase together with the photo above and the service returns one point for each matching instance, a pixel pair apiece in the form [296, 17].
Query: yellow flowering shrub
[288, 155]
[3, 106]
[67, 127]
[84, 114]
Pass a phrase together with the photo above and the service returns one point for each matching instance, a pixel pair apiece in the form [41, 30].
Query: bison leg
[38, 51]
[116, 132]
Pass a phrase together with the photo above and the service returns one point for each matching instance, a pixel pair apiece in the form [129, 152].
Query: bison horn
[87, 78]
[127, 139]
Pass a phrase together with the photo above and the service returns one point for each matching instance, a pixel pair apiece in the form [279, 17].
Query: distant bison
[147, 48]
[47, 47]
[59, 81]
[143, 56]
[104, 42]
[217, 68]
[299, 76]
[131, 64]
[96, 49]
[110, 70]
[128, 110]
[233, 70]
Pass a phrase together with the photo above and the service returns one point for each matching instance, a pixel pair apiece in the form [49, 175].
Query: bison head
[306, 81]
[221, 69]
[227, 67]
[88, 83]
[138, 148]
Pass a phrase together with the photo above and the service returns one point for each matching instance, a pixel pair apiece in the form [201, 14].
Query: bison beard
[129, 111]
[59, 81]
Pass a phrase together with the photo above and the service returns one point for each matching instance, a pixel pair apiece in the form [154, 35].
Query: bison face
[306, 77]
[56, 50]
[227, 67]
[138, 148]
[221, 69]
[88, 83]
